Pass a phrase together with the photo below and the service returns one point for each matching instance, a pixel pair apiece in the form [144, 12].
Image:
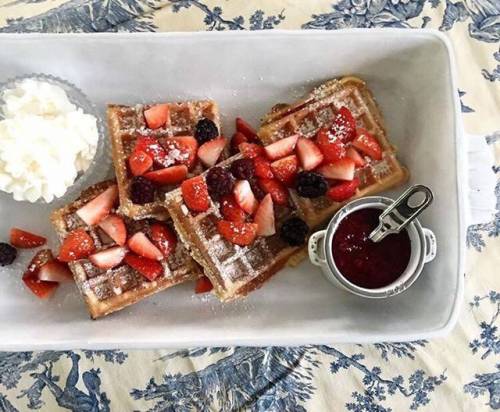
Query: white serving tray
[411, 74]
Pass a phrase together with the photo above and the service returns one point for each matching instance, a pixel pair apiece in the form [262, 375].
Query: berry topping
[251, 150]
[344, 125]
[256, 189]
[168, 176]
[203, 285]
[236, 141]
[205, 130]
[294, 231]
[142, 190]
[54, 271]
[115, 228]
[40, 288]
[311, 185]
[99, 207]
[353, 154]
[109, 258]
[220, 182]
[152, 147]
[148, 268]
[77, 245]
[331, 146]
[140, 244]
[25, 240]
[341, 169]
[242, 234]
[195, 194]
[243, 169]
[343, 191]
[139, 162]
[281, 148]
[7, 254]
[285, 169]
[245, 129]
[244, 196]
[180, 150]
[210, 152]
[278, 192]
[262, 168]
[264, 217]
[164, 238]
[231, 211]
[156, 116]
[309, 154]
[367, 144]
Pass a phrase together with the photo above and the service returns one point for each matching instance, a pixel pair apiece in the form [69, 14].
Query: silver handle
[317, 258]
[430, 245]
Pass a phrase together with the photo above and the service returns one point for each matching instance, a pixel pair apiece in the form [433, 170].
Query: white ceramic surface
[411, 74]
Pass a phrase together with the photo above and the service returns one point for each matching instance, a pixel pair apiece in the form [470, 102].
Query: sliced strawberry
[341, 169]
[181, 150]
[148, 268]
[285, 169]
[140, 244]
[54, 271]
[25, 240]
[40, 288]
[281, 148]
[164, 238]
[77, 245]
[353, 154]
[210, 151]
[237, 140]
[263, 168]
[156, 116]
[195, 194]
[203, 285]
[169, 176]
[152, 147]
[251, 150]
[344, 190]
[264, 217]
[139, 162]
[115, 228]
[367, 144]
[332, 147]
[242, 234]
[278, 192]
[344, 125]
[248, 131]
[98, 208]
[109, 258]
[309, 154]
[230, 209]
[244, 196]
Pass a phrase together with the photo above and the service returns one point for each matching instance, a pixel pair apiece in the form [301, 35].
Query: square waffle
[317, 110]
[106, 291]
[126, 123]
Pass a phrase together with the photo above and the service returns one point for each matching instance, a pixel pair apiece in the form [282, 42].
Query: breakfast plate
[412, 77]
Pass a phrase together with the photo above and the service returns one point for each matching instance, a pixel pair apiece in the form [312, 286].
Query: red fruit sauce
[363, 262]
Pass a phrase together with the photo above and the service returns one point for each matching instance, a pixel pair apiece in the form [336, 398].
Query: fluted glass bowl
[99, 167]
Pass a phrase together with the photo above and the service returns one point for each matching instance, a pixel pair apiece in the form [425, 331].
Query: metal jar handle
[317, 258]
[430, 245]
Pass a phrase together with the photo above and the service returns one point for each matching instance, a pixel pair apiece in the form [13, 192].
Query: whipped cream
[45, 141]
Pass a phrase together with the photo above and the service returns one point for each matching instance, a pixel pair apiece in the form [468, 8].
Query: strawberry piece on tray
[203, 285]
[55, 271]
[40, 288]
[25, 240]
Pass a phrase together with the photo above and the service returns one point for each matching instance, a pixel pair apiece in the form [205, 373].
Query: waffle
[125, 123]
[108, 291]
[317, 110]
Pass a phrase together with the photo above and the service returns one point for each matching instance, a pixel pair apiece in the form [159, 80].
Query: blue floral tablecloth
[457, 373]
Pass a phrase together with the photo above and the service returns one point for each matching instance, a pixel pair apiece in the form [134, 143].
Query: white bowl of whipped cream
[52, 139]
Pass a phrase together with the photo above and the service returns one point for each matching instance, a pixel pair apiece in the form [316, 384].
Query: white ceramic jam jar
[422, 250]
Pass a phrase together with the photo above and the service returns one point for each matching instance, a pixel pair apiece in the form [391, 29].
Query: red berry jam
[363, 262]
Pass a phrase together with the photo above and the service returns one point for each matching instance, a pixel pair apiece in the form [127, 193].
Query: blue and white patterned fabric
[457, 373]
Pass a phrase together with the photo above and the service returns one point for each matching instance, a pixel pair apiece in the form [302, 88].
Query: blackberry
[310, 184]
[8, 254]
[205, 130]
[142, 190]
[294, 231]
[243, 169]
[219, 182]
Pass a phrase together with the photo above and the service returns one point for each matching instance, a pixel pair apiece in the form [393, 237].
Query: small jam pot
[422, 249]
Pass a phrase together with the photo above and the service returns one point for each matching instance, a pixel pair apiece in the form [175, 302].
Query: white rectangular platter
[411, 75]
